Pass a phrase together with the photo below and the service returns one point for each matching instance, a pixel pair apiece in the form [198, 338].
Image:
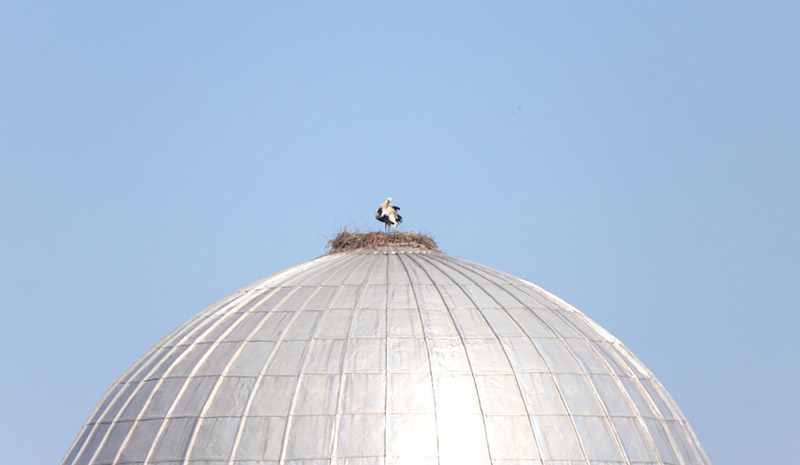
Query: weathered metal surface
[391, 356]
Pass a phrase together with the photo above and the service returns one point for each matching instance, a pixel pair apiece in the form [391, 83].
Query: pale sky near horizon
[641, 160]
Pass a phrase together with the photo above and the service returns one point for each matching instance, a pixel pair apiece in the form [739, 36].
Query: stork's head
[388, 199]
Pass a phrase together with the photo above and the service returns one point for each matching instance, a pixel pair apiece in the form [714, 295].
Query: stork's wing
[395, 207]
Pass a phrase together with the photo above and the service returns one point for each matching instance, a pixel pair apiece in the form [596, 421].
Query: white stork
[387, 214]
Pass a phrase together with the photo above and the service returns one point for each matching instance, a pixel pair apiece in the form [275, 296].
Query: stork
[387, 214]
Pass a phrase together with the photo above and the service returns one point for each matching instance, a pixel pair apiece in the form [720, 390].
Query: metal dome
[389, 356]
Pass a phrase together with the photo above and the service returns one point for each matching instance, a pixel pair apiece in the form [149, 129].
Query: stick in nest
[346, 241]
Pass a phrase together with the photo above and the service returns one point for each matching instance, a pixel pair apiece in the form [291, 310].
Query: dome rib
[151, 356]
[349, 267]
[392, 355]
[452, 264]
[200, 423]
[323, 319]
[208, 316]
[243, 301]
[508, 359]
[426, 340]
[577, 360]
[583, 451]
[463, 344]
[268, 362]
[617, 380]
[625, 357]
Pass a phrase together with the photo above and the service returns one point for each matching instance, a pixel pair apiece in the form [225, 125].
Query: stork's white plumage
[387, 214]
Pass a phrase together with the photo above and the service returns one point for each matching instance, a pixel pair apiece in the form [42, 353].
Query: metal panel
[448, 356]
[361, 435]
[541, 394]
[405, 323]
[411, 435]
[614, 399]
[310, 437]
[523, 355]
[364, 393]
[511, 437]
[487, 356]
[408, 355]
[140, 442]
[557, 438]
[462, 438]
[410, 393]
[273, 396]
[455, 394]
[370, 323]
[231, 397]
[215, 438]
[634, 440]
[578, 395]
[598, 439]
[261, 439]
[500, 395]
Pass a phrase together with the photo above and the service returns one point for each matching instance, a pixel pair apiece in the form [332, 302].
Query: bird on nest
[387, 214]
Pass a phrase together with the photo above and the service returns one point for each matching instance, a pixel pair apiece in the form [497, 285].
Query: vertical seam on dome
[268, 362]
[651, 402]
[117, 387]
[469, 362]
[594, 388]
[204, 330]
[282, 277]
[337, 413]
[240, 301]
[703, 456]
[508, 359]
[386, 361]
[628, 398]
[256, 293]
[427, 349]
[671, 405]
[613, 353]
[133, 371]
[224, 375]
[639, 417]
[195, 369]
[599, 400]
[546, 296]
[552, 376]
[516, 378]
[306, 355]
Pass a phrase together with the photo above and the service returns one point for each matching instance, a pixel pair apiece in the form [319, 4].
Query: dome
[394, 355]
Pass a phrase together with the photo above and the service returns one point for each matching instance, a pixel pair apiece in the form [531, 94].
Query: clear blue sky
[639, 159]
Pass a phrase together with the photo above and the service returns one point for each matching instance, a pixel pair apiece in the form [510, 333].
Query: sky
[641, 160]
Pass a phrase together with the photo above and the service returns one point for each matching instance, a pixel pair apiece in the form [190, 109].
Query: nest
[346, 241]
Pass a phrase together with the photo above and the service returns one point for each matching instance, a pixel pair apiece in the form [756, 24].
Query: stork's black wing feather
[399, 218]
[395, 207]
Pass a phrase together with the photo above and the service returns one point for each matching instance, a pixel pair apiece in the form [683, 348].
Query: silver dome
[388, 356]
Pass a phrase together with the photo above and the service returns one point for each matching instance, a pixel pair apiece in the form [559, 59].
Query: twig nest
[347, 241]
